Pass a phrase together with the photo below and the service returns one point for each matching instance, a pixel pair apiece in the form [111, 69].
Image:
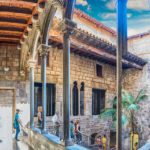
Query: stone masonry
[12, 78]
[135, 80]
[82, 70]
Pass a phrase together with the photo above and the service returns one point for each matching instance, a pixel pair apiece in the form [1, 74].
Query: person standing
[39, 116]
[104, 142]
[77, 132]
[135, 146]
[56, 123]
[72, 129]
[17, 124]
[99, 142]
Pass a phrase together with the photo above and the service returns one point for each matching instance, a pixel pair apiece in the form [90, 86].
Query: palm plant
[130, 105]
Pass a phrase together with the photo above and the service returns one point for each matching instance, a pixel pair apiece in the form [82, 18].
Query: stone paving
[14, 146]
[20, 146]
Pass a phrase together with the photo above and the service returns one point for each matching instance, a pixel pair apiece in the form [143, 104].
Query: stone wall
[82, 70]
[12, 61]
[12, 79]
[135, 80]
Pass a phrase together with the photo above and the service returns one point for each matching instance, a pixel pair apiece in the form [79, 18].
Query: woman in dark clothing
[77, 132]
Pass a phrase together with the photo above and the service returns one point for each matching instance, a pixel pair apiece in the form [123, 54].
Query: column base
[32, 127]
[44, 131]
[69, 142]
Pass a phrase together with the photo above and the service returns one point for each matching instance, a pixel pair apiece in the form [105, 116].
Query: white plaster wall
[6, 128]
[140, 46]
[25, 112]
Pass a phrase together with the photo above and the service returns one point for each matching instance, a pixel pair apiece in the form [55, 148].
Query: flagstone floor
[20, 146]
[15, 145]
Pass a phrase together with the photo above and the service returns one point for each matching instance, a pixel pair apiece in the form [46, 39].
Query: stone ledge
[48, 141]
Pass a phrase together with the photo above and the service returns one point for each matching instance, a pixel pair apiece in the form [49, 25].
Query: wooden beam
[3, 32]
[9, 39]
[11, 24]
[19, 4]
[15, 15]
[35, 11]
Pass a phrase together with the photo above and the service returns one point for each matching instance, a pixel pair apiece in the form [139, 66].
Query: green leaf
[108, 113]
[141, 95]
[127, 97]
[124, 119]
[134, 107]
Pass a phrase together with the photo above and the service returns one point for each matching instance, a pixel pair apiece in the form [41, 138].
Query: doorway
[7, 112]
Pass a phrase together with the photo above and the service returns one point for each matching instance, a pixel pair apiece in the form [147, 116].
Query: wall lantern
[6, 68]
[19, 46]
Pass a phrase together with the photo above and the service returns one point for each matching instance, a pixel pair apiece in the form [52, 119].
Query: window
[98, 101]
[82, 99]
[99, 69]
[50, 98]
[40, 60]
[75, 100]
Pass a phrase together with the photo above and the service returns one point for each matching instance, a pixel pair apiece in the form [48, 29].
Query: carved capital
[68, 26]
[31, 63]
[22, 73]
[44, 49]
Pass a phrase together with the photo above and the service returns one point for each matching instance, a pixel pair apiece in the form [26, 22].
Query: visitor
[135, 146]
[72, 128]
[56, 123]
[39, 116]
[17, 123]
[99, 142]
[77, 132]
[104, 142]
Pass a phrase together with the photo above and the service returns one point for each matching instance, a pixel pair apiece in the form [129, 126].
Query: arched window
[82, 99]
[75, 99]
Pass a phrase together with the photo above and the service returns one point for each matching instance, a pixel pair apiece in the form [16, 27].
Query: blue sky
[104, 11]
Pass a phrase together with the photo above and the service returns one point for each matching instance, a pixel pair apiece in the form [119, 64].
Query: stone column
[31, 77]
[68, 27]
[121, 49]
[44, 52]
[79, 85]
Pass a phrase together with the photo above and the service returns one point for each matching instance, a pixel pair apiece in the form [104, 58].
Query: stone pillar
[68, 27]
[44, 52]
[79, 86]
[31, 77]
[121, 48]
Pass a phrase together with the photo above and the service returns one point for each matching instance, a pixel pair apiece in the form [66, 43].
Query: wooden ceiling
[15, 16]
